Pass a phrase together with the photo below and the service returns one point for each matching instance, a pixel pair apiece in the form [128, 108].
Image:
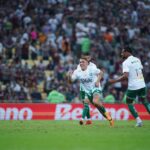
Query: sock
[147, 105]
[132, 110]
[102, 110]
[138, 120]
[86, 112]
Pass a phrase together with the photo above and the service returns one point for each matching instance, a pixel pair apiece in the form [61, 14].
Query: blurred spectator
[65, 46]
[56, 97]
[38, 37]
[1, 94]
[109, 99]
[85, 45]
[22, 95]
[36, 95]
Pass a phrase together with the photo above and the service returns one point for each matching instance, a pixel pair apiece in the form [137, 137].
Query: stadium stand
[41, 40]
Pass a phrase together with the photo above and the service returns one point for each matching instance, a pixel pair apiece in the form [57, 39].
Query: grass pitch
[68, 135]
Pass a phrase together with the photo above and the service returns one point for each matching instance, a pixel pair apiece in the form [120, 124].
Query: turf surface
[68, 135]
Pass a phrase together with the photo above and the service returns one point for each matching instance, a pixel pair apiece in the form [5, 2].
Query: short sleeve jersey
[87, 78]
[134, 67]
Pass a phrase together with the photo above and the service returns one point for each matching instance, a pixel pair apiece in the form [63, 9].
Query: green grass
[68, 135]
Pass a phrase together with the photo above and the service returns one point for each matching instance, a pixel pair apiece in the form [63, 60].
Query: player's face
[83, 64]
[124, 54]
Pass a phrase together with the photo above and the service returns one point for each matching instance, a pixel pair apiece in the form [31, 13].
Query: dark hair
[127, 49]
[85, 58]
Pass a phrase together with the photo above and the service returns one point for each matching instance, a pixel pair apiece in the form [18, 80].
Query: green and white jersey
[87, 79]
[91, 65]
[133, 66]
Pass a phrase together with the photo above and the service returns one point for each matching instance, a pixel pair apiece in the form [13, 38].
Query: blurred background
[40, 40]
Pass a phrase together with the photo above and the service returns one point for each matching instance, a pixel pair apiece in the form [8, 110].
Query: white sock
[82, 119]
[138, 120]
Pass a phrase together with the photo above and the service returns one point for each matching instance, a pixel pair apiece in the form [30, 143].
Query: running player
[86, 109]
[132, 71]
[90, 83]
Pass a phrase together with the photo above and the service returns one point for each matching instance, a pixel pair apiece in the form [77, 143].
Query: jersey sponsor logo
[135, 61]
[83, 81]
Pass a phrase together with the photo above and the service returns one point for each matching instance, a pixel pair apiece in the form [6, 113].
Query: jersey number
[139, 73]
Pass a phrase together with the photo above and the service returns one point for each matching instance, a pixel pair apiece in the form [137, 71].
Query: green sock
[102, 110]
[147, 105]
[88, 113]
[132, 110]
[86, 110]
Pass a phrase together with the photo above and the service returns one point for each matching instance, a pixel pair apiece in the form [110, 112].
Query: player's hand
[70, 72]
[96, 84]
[111, 81]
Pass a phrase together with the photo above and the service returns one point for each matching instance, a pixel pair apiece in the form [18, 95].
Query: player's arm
[69, 74]
[72, 76]
[124, 76]
[99, 77]
[121, 78]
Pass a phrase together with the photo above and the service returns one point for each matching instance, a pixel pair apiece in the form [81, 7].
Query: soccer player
[90, 83]
[132, 71]
[86, 109]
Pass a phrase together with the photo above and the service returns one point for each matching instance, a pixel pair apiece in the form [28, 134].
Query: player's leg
[146, 104]
[131, 96]
[142, 96]
[98, 104]
[86, 109]
[86, 113]
[88, 121]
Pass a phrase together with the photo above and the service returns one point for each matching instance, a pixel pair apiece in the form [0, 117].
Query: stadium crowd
[41, 40]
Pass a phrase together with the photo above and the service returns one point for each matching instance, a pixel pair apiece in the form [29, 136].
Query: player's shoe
[111, 122]
[81, 122]
[139, 124]
[88, 122]
[109, 118]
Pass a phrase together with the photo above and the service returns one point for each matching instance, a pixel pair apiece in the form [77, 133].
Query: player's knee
[86, 101]
[96, 103]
